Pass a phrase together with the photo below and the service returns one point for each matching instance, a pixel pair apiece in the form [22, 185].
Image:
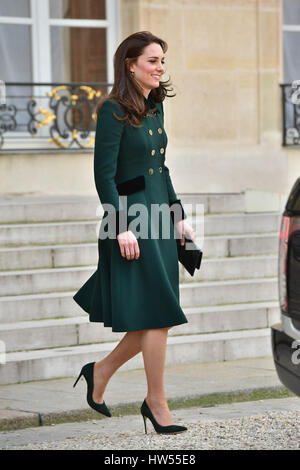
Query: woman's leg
[128, 347]
[154, 343]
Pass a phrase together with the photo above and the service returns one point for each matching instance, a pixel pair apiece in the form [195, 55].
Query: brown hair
[126, 90]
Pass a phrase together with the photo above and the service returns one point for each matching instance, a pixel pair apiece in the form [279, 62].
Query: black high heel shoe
[171, 429]
[88, 372]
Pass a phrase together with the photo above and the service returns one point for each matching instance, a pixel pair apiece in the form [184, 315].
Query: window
[291, 40]
[53, 41]
[58, 40]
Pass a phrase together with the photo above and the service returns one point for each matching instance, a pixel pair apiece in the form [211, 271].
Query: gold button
[153, 152]
[160, 169]
[162, 150]
[150, 171]
[150, 132]
[159, 131]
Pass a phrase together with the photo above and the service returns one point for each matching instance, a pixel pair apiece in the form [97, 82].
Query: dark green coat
[131, 295]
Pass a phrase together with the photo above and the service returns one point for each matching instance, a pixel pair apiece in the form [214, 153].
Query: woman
[135, 288]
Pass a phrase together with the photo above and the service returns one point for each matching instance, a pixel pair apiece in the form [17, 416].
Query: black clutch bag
[190, 258]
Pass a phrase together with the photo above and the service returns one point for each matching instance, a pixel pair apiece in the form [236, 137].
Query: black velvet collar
[150, 99]
[150, 96]
[149, 102]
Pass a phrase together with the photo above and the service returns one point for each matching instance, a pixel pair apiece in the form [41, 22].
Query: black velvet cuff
[182, 213]
[131, 186]
[125, 188]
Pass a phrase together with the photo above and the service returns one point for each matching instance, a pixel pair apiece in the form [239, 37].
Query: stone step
[238, 267]
[225, 224]
[67, 361]
[48, 232]
[47, 208]
[87, 231]
[82, 254]
[43, 334]
[48, 256]
[30, 281]
[228, 291]
[215, 203]
[17, 308]
[240, 245]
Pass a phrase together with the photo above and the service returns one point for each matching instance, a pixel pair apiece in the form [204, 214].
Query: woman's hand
[185, 229]
[128, 245]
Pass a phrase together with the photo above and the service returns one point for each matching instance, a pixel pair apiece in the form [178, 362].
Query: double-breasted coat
[131, 295]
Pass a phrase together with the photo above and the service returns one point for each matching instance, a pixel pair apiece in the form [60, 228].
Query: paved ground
[125, 387]
[264, 424]
[45, 402]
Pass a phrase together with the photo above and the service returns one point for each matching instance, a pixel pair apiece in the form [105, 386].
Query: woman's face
[149, 67]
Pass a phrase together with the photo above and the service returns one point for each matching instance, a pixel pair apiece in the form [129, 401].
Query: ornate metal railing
[290, 114]
[63, 115]
[49, 115]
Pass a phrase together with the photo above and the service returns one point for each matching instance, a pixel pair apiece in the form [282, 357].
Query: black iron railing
[290, 114]
[49, 115]
[63, 115]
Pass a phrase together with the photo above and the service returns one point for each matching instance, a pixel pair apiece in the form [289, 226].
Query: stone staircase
[48, 248]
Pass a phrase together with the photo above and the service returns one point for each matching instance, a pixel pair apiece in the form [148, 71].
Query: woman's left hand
[185, 229]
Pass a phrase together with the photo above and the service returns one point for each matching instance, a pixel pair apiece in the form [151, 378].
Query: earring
[132, 74]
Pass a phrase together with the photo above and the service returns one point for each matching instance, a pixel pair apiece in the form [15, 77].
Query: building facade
[228, 128]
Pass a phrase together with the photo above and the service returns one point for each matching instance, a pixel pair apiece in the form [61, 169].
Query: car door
[286, 334]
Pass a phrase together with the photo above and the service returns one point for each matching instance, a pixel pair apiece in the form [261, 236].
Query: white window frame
[295, 28]
[292, 28]
[41, 23]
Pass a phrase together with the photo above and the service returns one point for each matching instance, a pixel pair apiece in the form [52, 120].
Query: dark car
[286, 334]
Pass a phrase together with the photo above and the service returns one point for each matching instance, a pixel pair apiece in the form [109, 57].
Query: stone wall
[225, 62]
[223, 125]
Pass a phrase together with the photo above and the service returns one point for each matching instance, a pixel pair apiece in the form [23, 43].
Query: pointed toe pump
[171, 429]
[88, 373]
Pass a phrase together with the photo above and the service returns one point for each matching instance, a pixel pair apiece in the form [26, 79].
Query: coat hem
[139, 329]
